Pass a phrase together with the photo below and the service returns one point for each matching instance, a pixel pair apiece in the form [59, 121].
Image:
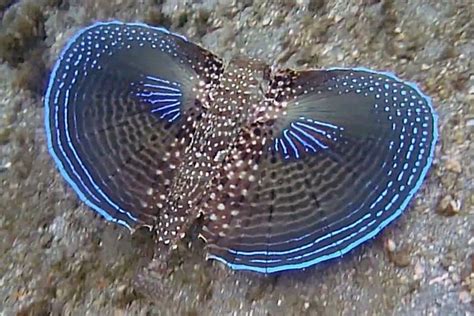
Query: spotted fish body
[287, 168]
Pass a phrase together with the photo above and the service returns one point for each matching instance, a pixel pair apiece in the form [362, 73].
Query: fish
[285, 168]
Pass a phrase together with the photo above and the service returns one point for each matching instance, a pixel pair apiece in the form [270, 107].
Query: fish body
[287, 168]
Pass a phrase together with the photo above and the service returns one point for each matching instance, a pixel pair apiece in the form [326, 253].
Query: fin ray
[375, 136]
[114, 111]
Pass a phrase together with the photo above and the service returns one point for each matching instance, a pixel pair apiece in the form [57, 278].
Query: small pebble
[390, 245]
[453, 165]
[449, 206]
[419, 271]
[400, 259]
[465, 297]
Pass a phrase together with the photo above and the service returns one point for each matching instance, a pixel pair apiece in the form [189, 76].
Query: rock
[453, 165]
[401, 258]
[465, 297]
[390, 245]
[449, 206]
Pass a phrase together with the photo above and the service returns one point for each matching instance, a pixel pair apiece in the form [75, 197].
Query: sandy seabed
[57, 257]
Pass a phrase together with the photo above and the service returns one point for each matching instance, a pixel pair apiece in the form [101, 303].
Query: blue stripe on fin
[380, 133]
[113, 91]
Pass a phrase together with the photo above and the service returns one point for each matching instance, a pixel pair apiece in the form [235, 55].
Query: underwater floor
[57, 257]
